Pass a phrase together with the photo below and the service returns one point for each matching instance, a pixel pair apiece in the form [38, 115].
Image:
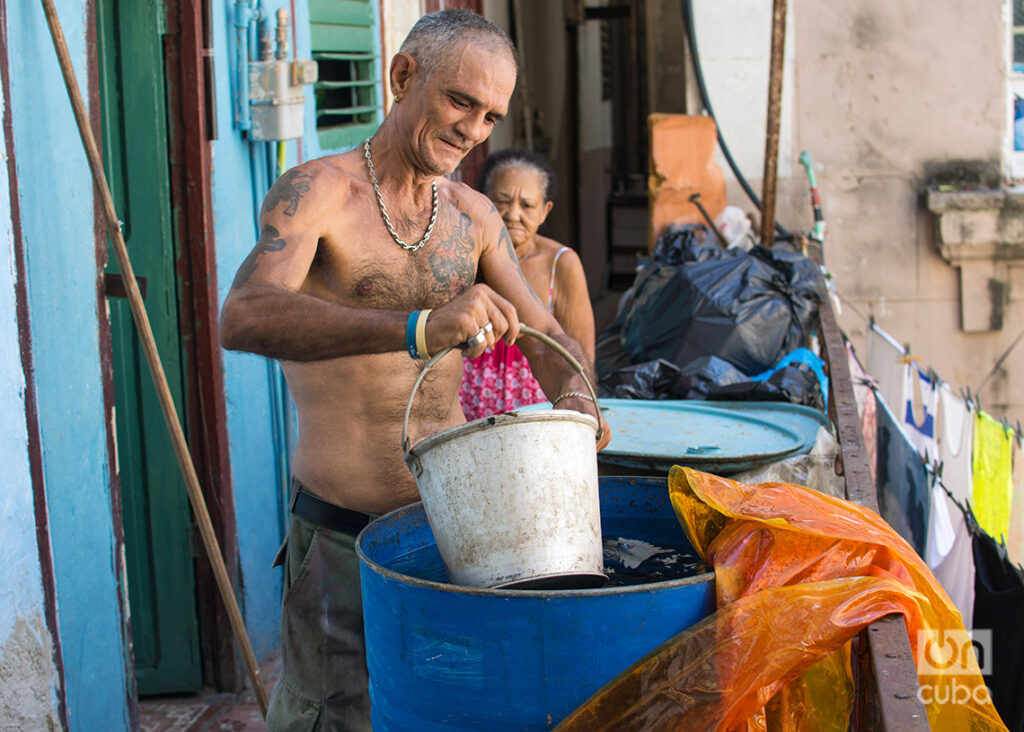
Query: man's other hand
[585, 406]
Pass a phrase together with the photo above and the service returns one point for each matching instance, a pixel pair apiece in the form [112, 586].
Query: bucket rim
[500, 420]
[391, 574]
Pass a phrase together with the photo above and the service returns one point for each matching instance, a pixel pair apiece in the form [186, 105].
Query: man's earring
[397, 99]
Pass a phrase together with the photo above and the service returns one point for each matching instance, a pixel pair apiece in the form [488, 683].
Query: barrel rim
[508, 594]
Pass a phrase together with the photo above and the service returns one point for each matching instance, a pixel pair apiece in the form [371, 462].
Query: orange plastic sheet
[798, 574]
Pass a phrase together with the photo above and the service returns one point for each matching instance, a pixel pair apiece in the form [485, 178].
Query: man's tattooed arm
[288, 189]
[270, 241]
[511, 250]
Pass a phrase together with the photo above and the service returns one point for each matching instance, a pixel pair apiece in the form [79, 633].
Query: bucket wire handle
[525, 330]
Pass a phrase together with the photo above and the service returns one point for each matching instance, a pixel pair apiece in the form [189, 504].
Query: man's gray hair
[438, 37]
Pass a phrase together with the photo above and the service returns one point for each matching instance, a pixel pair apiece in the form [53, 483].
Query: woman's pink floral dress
[500, 379]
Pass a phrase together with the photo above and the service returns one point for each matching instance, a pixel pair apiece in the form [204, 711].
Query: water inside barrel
[637, 551]
[645, 551]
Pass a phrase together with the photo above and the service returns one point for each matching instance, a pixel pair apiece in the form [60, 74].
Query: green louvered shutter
[348, 104]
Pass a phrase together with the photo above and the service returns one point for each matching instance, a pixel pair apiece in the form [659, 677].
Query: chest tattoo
[451, 261]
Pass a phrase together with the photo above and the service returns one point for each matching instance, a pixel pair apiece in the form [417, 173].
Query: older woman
[521, 185]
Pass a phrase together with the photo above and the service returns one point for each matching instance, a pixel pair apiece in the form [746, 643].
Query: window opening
[1018, 36]
[347, 94]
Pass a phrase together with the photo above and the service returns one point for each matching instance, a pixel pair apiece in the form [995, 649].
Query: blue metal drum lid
[719, 437]
[413, 516]
[804, 420]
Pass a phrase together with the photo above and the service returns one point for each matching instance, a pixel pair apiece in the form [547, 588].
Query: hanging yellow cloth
[797, 575]
[992, 495]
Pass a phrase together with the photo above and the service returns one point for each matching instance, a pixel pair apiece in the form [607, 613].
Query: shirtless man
[334, 289]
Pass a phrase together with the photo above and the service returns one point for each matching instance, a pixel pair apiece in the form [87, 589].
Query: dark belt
[324, 513]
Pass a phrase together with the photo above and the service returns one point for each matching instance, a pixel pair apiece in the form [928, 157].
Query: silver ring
[478, 339]
[487, 327]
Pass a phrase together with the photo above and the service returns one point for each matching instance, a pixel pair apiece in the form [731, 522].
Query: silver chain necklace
[384, 209]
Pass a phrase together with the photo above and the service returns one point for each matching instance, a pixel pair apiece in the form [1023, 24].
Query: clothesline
[965, 392]
[936, 453]
[971, 398]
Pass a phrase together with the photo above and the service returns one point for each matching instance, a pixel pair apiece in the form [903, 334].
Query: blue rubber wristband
[410, 334]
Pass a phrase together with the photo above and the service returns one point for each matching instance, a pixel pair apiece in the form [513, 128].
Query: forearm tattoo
[288, 189]
[270, 241]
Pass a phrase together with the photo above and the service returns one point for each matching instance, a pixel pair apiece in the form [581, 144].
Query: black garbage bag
[808, 289]
[746, 308]
[795, 383]
[702, 376]
[609, 355]
[651, 380]
[685, 243]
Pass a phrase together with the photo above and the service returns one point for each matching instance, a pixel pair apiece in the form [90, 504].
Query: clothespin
[907, 358]
[933, 377]
[970, 398]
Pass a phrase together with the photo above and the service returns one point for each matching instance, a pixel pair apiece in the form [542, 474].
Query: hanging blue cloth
[902, 483]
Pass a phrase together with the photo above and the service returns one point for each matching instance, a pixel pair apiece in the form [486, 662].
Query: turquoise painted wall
[240, 179]
[26, 649]
[56, 202]
[260, 423]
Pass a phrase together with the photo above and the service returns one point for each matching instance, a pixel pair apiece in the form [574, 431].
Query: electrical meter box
[276, 97]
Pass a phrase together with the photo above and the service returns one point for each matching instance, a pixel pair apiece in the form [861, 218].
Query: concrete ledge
[981, 232]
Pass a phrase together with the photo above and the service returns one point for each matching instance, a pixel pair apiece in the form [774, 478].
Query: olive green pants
[323, 683]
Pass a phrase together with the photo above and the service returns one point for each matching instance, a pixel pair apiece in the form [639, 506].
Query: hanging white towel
[955, 438]
[888, 367]
[956, 572]
[941, 531]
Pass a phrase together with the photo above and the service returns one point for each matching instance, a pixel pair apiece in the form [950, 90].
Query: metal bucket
[513, 499]
[444, 658]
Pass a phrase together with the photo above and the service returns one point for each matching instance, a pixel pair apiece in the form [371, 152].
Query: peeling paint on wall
[28, 678]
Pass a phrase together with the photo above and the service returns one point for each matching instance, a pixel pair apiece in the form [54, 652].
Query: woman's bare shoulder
[549, 248]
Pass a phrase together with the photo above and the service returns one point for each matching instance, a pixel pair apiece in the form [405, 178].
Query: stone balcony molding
[980, 232]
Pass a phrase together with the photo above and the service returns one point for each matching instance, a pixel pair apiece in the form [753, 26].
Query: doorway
[157, 522]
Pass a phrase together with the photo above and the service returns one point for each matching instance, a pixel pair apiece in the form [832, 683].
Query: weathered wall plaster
[56, 203]
[27, 678]
[28, 675]
[892, 97]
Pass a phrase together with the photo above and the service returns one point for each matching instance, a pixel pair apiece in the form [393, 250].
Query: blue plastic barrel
[443, 657]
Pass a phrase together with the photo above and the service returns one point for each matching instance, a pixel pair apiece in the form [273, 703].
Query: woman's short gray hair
[437, 37]
[504, 159]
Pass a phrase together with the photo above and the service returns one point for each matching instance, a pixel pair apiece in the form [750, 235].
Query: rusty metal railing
[883, 666]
